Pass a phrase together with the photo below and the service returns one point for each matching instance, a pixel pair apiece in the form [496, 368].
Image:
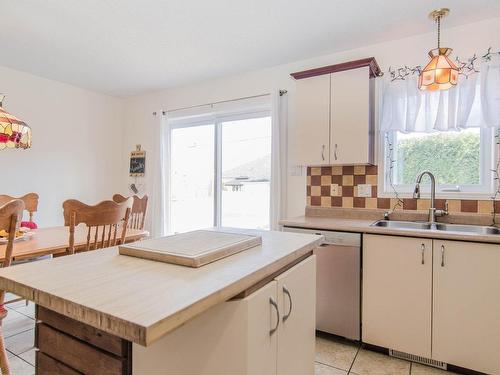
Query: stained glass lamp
[14, 133]
[440, 73]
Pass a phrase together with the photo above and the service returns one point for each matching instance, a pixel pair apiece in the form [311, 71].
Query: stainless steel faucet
[433, 212]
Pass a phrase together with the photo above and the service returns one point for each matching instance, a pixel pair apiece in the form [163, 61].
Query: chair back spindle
[138, 213]
[104, 221]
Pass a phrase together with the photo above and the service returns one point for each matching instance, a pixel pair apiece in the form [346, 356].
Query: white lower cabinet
[433, 298]
[397, 293]
[270, 332]
[466, 309]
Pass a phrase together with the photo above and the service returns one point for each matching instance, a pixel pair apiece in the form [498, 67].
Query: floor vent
[418, 359]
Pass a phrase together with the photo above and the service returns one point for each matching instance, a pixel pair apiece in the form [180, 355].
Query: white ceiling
[125, 47]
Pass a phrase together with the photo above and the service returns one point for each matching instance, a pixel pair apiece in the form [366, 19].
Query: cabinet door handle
[287, 293]
[442, 255]
[335, 151]
[323, 152]
[423, 253]
[275, 305]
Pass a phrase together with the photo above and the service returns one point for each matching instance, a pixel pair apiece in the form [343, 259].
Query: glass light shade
[440, 73]
[14, 133]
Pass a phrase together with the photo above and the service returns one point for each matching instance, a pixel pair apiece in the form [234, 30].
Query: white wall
[77, 144]
[465, 40]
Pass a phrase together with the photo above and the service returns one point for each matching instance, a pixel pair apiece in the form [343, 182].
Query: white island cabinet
[269, 332]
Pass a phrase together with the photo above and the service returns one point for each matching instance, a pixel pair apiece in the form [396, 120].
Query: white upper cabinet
[351, 125]
[335, 114]
[312, 146]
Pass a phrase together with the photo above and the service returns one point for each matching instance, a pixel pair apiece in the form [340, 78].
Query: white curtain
[473, 103]
[160, 216]
[278, 158]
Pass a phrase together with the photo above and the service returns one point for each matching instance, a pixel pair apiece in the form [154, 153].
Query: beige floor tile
[18, 325]
[26, 310]
[338, 354]
[20, 367]
[20, 343]
[418, 369]
[320, 369]
[371, 363]
[29, 356]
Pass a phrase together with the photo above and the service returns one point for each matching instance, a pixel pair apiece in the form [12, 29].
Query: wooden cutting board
[192, 249]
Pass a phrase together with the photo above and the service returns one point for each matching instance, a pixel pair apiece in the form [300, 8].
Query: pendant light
[440, 73]
[14, 133]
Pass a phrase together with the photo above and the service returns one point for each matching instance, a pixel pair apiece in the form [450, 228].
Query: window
[460, 160]
[221, 172]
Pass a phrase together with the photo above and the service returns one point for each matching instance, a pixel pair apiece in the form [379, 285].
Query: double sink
[456, 228]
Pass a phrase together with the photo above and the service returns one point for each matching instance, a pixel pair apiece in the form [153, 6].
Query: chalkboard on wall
[137, 163]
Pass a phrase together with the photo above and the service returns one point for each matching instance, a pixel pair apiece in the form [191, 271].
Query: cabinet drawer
[49, 366]
[91, 335]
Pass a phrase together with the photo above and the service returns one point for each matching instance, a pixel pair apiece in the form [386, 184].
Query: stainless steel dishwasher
[338, 282]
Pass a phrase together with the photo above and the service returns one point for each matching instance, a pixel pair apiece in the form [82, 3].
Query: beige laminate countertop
[142, 300]
[363, 226]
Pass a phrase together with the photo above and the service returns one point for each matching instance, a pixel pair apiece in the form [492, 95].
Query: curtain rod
[281, 93]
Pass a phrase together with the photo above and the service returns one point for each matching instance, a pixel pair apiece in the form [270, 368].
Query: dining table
[55, 241]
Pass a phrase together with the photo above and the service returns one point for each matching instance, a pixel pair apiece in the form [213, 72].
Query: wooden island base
[68, 347]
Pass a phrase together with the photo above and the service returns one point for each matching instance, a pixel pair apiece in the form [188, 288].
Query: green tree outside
[453, 158]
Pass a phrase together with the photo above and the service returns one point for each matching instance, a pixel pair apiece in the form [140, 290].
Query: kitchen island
[104, 313]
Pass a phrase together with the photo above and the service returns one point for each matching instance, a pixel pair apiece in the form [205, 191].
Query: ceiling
[127, 47]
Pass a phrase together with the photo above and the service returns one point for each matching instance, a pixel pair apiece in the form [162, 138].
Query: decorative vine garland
[391, 160]
[496, 177]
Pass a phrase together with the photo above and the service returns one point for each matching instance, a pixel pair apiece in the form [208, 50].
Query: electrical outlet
[334, 190]
[365, 190]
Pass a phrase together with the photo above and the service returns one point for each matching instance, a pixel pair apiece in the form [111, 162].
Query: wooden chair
[10, 217]
[138, 213]
[103, 222]
[30, 202]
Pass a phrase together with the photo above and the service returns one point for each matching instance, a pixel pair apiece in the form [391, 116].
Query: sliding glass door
[192, 177]
[221, 173]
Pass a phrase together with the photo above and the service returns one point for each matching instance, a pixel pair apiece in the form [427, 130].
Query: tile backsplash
[346, 180]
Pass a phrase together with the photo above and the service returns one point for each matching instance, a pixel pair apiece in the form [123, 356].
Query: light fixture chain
[439, 31]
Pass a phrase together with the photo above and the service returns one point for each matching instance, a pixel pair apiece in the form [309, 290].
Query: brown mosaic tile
[359, 169]
[372, 170]
[336, 201]
[315, 201]
[358, 179]
[326, 171]
[337, 179]
[326, 201]
[347, 169]
[359, 202]
[320, 179]
[440, 204]
[371, 203]
[326, 180]
[316, 180]
[336, 170]
[468, 206]
[348, 191]
[384, 203]
[348, 180]
[410, 204]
